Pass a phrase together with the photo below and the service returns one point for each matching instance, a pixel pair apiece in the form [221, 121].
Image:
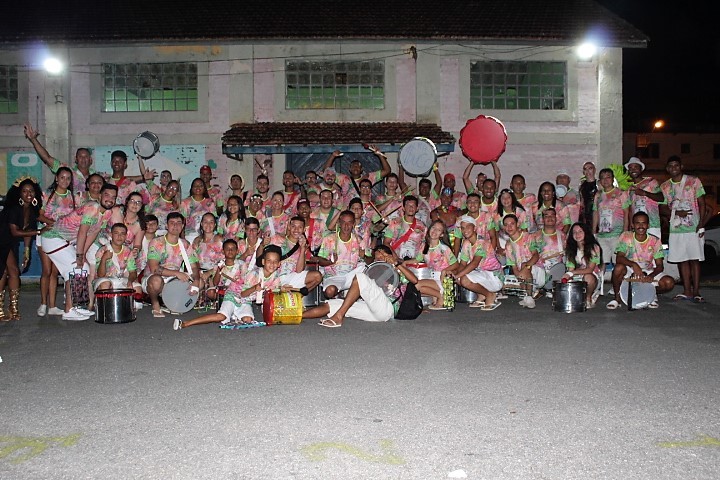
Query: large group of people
[321, 231]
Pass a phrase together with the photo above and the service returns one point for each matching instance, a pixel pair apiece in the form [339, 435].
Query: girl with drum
[547, 198]
[277, 219]
[208, 248]
[231, 223]
[248, 286]
[18, 220]
[163, 203]
[582, 258]
[365, 299]
[195, 206]
[93, 185]
[439, 257]
[59, 200]
[391, 203]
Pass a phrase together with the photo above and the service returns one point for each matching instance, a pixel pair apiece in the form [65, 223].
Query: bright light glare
[53, 65]
[586, 51]
[659, 124]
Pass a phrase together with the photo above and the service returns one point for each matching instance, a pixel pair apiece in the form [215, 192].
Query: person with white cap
[569, 196]
[645, 195]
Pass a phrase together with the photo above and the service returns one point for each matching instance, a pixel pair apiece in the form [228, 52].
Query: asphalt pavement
[508, 394]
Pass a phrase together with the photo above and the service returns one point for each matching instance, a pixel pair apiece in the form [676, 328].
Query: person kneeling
[365, 300]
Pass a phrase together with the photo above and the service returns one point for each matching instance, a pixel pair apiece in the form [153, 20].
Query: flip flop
[433, 307]
[680, 296]
[699, 299]
[158, 314]
[612, 305]
[490, 308]
[653, 304]
[329, 323]
[477, 304]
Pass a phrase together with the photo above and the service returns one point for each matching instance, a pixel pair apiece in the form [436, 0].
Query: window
[8, 89]
[651, 151]
[150, 87]
[518, 85]
[339, 84]
[684, 148]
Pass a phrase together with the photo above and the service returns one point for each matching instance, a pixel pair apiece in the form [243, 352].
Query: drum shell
[282, 308]
[114, 306]
[147, 144]
[569, 297]
[422, 272]
[464, 295]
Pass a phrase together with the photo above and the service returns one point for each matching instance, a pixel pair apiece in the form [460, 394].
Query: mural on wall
[183, 161]
[18, 164]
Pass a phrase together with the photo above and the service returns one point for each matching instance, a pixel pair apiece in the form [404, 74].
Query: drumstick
[629, 296]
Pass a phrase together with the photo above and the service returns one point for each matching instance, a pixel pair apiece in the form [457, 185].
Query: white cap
[635, 160]
[563, 171]
[467, 219]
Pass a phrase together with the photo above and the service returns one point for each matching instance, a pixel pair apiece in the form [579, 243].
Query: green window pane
[487, 103]
[500, 103]
[523, 104]
[145, 106]
[181, 104]
[378, 103]
[121, 106]
[192, 104]
[535, 104]
[120, 94]
[157, 105]
[133, 106]
[475, 103]
[109, 106]
[4, 107]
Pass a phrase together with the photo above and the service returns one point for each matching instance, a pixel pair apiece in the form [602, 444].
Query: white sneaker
[138, 305]
[85, 311]
[42, 310]
[527, 302]
[177, 324]
[74, 315]
[56, 311]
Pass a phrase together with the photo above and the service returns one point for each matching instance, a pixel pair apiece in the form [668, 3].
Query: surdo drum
[637, 295]
[282, 308]
[422, 272]
[114, 306]
[483, 139]
[384, 275]
[569, 297]
[177, 297]
[146, 144]
[418, 156]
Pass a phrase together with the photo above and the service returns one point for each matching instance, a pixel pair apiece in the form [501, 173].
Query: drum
[560, 191]
[463, 295]
[177, 298]
[418, 156]
[422, 272]
[637, 295]
[221, 289]
[312, 299]
[114, 306]
[282, 308]
[483, 139]
[384, 275]
[555, 274]
[146, 144]
[569, 297]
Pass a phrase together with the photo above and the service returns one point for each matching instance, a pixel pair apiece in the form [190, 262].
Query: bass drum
[114, 306]
[642, 294]
[569, 297]
[177, 297]
[418, 156]
[282, 308]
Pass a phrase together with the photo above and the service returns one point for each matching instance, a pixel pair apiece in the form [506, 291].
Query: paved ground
[509, 394]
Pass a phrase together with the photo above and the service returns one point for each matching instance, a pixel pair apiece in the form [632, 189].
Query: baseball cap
[467, 219]
[205, 168]
[563, 171]
[449, 175]
[635, 160]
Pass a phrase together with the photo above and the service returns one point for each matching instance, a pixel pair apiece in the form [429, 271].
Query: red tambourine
[483, 139]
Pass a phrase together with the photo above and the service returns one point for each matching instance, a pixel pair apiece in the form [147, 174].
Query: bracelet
[701, 230]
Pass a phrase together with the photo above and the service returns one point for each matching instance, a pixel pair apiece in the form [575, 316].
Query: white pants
[294, 279]
[487, 279]
[373, 305]
[608, 246]
[342, 282]
[117, 283]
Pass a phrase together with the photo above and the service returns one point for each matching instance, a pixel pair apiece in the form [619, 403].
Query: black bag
[410, 305]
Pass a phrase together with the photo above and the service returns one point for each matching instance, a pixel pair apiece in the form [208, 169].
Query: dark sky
[676, 77]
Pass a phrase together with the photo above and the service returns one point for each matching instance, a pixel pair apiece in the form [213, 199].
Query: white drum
[177, 297]
[418, 156]
[642, 294]
[146, 144]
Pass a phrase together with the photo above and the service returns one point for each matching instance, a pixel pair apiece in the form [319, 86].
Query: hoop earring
[34, 202]
[21, 202]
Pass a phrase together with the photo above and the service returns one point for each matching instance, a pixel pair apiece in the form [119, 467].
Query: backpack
[410, 305]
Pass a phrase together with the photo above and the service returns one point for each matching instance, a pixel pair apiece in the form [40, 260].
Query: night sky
[676, 77]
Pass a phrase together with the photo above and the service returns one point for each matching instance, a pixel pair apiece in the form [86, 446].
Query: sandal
[653, 304]
[477, 304]
[177, 324]
[680, 296]
[158, 314]
[699, 299]
[329, 323]
[612, 305]
[436, 307]
[490, 308]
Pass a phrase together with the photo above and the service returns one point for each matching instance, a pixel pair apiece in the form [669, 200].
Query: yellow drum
[282, 308]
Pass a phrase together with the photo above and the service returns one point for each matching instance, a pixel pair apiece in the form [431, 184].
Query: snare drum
[177, 297]
[569, 297]
[422, 272]
[463, 295]
[114, 306]
[282, 308]
[146, 144]
[642, 294]
[418, 156]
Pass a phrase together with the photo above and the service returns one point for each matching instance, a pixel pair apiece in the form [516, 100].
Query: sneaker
[42, 310]
[527, 302]
[85, 311]
[177, 324]
[138, 305]
[74, 315]
[55, 311]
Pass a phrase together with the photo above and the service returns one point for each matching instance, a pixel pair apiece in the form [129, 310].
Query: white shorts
[342, 282]
[147, 277]
[608, 246]
[63, 259]
[294, 279]
[656, 279]
[685, 246]
[117, 283]
[373, 305]
[487, 279]
[90, 254]
[236, 312]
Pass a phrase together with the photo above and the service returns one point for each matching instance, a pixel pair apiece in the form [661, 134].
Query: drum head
[176, 297]
[642, 293]
[418, 156]
[483, 139]
[146, 144]
[560, 191]
[384, 275]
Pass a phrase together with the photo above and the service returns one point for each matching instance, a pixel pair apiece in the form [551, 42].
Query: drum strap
[329, 217]
[405, 236]
[675, 196]
[186, 260]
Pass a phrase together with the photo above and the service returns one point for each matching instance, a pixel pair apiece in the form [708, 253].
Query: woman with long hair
[59, 200]
[439, 257]
[582, 257]
[231, 224]
[547, 198]
[194, 207]
[163, 203]
[208, 250]
[508, 204]
[93, 185]
[18, 220]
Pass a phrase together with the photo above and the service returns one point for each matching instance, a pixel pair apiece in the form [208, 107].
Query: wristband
[701, 230]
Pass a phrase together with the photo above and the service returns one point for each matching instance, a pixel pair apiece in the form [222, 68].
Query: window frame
[23, 75]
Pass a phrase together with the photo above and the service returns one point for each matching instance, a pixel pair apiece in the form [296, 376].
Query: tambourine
[483, 139]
